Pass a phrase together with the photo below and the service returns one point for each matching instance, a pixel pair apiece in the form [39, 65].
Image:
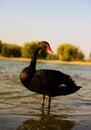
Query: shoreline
[48, 61]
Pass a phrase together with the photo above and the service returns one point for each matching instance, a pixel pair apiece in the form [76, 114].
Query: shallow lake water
[20, 109]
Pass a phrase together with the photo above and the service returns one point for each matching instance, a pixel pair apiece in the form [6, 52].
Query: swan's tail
[68, 87]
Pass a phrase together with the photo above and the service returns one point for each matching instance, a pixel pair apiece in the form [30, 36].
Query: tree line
[65, 51]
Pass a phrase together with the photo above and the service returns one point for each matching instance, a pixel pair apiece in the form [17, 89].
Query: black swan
[47, 82]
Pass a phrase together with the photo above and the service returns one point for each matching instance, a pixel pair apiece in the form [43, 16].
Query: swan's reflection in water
[47, 121]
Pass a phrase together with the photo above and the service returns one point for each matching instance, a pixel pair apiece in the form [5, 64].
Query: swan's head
[46, 46]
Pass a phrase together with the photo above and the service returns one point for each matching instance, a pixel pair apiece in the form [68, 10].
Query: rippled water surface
[21, 109]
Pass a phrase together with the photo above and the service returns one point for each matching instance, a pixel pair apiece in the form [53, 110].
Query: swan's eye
[45, 46]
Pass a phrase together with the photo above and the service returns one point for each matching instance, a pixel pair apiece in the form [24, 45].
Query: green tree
[90, 56]
[80, 55]
[14, 50]
[5, 51]
[29, 48]
[1, 46]
[11, 50]
[68, 52]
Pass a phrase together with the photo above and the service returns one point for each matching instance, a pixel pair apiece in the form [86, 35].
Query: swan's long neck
[33, 59]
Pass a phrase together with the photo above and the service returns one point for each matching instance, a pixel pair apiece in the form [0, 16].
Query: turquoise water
[22, 107]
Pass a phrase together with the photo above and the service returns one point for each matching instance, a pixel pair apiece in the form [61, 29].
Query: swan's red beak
[49, 49]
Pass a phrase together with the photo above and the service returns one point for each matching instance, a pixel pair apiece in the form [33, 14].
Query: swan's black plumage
[47, 82]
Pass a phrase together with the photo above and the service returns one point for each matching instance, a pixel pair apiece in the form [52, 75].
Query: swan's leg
[43, 99]
[49, 102]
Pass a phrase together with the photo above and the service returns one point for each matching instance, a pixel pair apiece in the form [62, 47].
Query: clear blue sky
[56, 21]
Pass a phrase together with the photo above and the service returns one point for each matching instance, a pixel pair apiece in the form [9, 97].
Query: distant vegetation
[28, 49]
[68, 52]
[10, 50]
[65, 51]
[90, 56]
